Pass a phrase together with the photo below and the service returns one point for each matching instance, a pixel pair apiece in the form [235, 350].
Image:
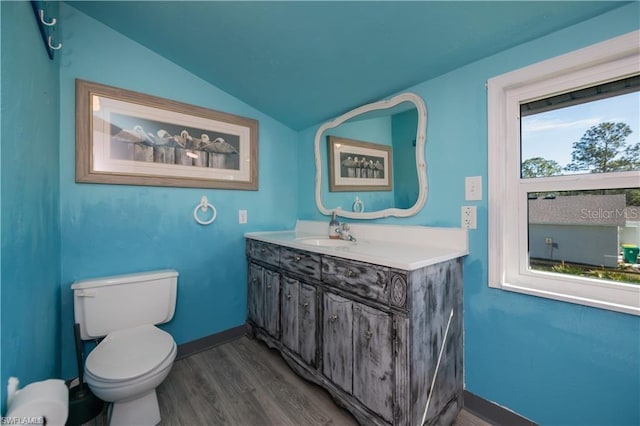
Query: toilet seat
[128, 354]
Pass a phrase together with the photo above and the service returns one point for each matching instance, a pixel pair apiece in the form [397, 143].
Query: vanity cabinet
[263, 304]
[369, 334]
[289, 313]
[373, 359]
[357, 349]
[337, 341]
[298, 318]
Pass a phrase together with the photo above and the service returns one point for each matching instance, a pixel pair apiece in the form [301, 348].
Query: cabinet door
[271, 311]
[256, 295]
[307, 324]
[290, 313]
[372, 359]
[337, 337]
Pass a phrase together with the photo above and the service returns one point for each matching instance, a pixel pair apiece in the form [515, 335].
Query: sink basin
[325, 242]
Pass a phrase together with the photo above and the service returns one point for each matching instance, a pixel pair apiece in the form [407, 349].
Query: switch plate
[242, 216]
[473, 188]
[468, 217]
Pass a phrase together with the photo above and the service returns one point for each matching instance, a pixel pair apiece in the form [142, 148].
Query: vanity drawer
[264, 252]
[301, 262]
[363, 279]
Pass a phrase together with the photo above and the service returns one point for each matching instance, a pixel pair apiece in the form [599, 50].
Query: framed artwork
[358, 166]
[129, 138]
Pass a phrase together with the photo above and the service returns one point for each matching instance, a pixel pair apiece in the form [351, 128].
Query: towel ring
[204, 206]
[358, 205]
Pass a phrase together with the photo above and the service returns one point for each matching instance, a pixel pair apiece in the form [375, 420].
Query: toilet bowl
[125, 369]
[135, 356]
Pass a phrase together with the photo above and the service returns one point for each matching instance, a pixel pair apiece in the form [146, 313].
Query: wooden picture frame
[129, 138]
[359, 166]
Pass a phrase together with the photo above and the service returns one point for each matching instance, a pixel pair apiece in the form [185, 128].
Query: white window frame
[508, 224]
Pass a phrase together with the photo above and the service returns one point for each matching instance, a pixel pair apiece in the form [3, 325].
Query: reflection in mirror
[373, 160]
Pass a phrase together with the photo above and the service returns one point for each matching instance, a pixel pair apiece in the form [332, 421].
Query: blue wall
[110, 229]
[554, 362]
[30, 229]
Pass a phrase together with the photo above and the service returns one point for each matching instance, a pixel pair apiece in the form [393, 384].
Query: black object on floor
[83, 404]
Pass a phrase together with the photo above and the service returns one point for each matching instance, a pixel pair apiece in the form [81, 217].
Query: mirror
[370, 161]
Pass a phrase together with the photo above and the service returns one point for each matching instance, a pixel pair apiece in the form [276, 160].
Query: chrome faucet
[344, 231]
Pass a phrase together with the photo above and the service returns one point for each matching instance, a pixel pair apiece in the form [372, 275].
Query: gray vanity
[367, 320]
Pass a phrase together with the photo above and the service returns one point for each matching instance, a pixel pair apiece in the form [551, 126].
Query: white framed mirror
[370, 161]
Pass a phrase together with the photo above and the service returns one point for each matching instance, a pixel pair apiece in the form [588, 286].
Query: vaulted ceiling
[303, 62]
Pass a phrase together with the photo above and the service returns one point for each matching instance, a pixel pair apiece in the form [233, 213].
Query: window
[564, 177]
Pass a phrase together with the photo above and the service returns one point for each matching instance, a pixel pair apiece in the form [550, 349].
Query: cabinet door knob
[269, 286]
[349, 273]
[289, 296]
[305, 304]
[368, 334]
[333, 318]
[297, 258]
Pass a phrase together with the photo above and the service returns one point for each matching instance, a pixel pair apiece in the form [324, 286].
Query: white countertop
[402, 247]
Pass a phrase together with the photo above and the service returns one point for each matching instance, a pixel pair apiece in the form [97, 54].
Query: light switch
[242, 216]
[473, 188]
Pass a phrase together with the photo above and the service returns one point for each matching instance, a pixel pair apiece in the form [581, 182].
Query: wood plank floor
[245, 383]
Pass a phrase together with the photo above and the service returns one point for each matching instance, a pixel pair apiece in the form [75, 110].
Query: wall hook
[203, 207]
[51, 46]
[48, 24]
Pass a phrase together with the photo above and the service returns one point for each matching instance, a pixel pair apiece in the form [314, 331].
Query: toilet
[135, 356]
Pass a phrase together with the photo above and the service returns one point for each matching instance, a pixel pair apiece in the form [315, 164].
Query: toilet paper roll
[48, 400]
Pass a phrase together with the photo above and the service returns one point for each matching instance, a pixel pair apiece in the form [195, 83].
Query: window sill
[602, 294]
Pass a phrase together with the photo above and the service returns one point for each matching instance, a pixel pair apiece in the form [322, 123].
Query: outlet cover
[468, 217]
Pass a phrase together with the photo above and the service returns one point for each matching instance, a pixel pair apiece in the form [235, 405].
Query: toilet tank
[103, 305]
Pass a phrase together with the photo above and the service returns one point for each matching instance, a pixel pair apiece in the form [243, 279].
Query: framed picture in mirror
[130, 138]
[359, 166]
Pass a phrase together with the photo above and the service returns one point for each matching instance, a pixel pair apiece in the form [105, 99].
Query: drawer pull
[254, 281]
[333, 318]
[368, 334]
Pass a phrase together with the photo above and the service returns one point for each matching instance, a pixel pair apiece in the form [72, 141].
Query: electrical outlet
[473, 188]
[468, 217]
[242, 216]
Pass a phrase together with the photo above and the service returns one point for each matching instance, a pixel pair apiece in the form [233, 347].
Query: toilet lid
[130, 353]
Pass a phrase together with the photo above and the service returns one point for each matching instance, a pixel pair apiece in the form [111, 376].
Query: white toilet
[135, 356]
